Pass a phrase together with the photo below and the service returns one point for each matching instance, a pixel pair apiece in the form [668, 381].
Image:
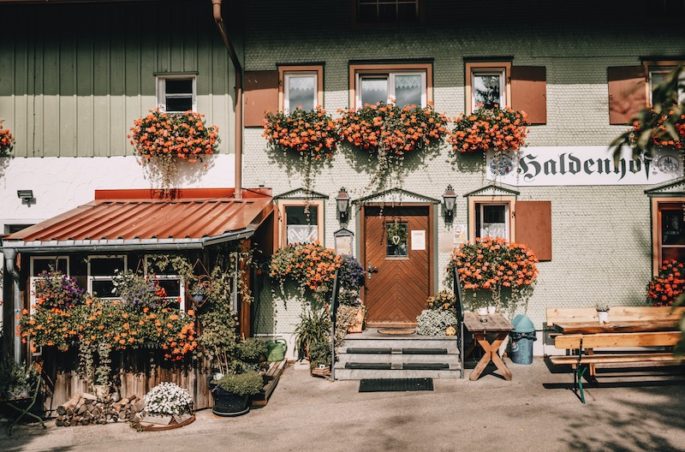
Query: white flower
[168, 399]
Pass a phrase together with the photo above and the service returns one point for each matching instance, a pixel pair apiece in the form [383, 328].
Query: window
[300, 87]
[658, 74]
[492, 220]
[41, 264]
[301, 222]
[176, 94]
[387, 11]
[396, 239]
[399, 84]
[101, 271]
[491, 216]
[12, 228]
[669, 233]
[487, 85]
[169, 282]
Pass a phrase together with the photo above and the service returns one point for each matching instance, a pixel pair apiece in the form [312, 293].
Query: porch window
[387, 11]
[300, 87]
[176, 94]
[401, 88]
[396, 239]
[171, 285]
[43, 264]
[302, 224]
[101, 272]
[492, 220]
[487, 85]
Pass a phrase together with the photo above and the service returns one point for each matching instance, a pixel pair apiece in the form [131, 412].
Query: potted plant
[198, 292]
[489, 129]
[19, 384]
[233, 391]
[167, 403]
[603, 313]
[351, 278]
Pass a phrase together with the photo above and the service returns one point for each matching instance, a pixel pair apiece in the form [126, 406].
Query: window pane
[172, 287]
[491, 221]
[106, 266]
[396, 236]
[672, 224]
[374, 90]
[408, 90]
[486, 90]
[301, 92]
[179, 104]
[104, 289]
[387, 11]
[47, 265]
[178, 86]
[301, 226]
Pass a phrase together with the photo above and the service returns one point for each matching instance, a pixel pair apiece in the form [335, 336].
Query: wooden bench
[579, 333]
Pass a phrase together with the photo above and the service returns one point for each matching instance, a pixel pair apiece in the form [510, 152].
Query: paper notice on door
[418, 240]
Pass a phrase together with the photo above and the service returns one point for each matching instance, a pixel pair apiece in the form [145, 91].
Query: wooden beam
[626, 358]
[616, 314]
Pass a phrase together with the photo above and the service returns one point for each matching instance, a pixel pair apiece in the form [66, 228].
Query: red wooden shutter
[534, 227]
[627, 93]
[529, 92]
[261, 96]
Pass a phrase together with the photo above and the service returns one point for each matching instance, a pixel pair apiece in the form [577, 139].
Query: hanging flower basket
[6, 141]
[496, 129]
[308, 134]
[665, 130]
[391, 132]
[167, 138]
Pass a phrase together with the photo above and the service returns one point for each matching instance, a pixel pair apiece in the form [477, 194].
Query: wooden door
[397, 251]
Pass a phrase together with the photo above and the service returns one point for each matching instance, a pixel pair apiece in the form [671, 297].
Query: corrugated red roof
[150, 214]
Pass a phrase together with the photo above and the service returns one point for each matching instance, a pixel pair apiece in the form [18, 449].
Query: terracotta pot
[358, 325]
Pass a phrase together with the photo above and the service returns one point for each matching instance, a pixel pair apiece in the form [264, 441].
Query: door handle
[371, 270]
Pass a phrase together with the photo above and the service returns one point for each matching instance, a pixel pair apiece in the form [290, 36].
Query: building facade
[73, 77]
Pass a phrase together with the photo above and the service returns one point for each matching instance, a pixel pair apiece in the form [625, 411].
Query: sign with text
[582, 165]
[418, 240]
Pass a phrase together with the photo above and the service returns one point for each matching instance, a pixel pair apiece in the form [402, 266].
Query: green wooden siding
[74, 77]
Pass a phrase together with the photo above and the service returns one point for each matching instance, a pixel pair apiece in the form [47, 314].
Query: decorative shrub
[443, 301]
[138, 291]
[6, 141]
[170, 137]
[435, 322]
[56, 290]
[665, 288]
[667, 129]
[320, 354]
[311, 266]
[390, 132]
[352, 274]
[17, 381]
[314, 327]
[168, 399]
[252, 351]
[245, 384]
[308, 134]
[497, 129]
[492, 264]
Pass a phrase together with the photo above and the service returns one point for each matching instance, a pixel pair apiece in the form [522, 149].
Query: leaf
[643, 140]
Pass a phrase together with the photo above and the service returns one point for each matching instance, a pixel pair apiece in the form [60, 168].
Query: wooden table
[497, 328]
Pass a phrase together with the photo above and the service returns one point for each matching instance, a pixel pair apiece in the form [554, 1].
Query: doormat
[395, 384]
[397, 331]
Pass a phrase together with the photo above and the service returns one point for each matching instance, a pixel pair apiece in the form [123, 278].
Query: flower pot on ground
[232, 393]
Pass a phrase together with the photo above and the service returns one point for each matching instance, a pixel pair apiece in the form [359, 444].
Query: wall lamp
[449, 202]
[26, 197]
[342, 202]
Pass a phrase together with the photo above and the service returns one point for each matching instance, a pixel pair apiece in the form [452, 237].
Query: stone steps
[370, 355]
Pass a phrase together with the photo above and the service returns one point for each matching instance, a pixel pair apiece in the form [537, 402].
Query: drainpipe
[219, 20]
[13, 310]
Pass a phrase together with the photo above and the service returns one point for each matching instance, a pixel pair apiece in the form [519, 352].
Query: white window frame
[182, 288]
[287, 75]
[161, 90]
[390, 79]
[662, 70]
[33, 278]
[92, 278]
[501, 72]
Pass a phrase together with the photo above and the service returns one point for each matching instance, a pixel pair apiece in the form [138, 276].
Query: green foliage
[320, 354]
[314, 327]
[435, 323]
[16, 381]
[252, 351]
[245, 384]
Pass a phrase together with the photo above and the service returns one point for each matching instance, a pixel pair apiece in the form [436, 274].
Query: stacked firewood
[86, 409]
